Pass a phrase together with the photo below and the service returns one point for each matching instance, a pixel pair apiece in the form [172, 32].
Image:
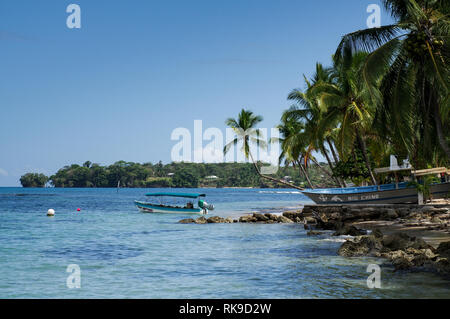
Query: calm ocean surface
[126, 254]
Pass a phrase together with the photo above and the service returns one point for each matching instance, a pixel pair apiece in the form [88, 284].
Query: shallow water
[126, 254]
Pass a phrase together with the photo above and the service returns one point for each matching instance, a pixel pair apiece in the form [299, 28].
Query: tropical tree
[293, 145]
[33, 180]
[347, 101]
[247, 133]
[412, 57]
[310, 112]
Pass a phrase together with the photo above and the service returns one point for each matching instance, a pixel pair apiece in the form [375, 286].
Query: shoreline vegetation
[176, 175]
[385, 93]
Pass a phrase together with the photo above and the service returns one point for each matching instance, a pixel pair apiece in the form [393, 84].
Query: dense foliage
[129, 174]
[386, 93]
[33, 180]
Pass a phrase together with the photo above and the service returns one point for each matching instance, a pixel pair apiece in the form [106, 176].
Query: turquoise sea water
[126, 254]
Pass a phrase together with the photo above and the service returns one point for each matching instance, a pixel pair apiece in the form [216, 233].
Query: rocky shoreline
[411, 237]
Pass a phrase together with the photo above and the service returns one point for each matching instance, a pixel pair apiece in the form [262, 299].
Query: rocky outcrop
[444, 249]
[294, 215]
[401, 241]
[210, 220]
[361, 246]
[215, 220]
[403, 251]
[201, 220]
[253, 218]
[328, 215]
[265, 219]
[284, 220]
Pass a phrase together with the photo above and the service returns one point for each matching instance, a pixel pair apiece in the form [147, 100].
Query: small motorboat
[189, 208]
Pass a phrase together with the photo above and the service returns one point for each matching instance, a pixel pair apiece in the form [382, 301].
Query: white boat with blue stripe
[398, 193]
[188, 208]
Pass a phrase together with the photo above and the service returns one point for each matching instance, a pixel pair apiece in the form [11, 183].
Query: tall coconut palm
[347, 101]
[310, 112]
[413, 56]
[245, 128]
[293, 145]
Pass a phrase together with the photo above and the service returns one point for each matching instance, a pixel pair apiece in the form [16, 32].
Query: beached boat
[398, 193]
[383, 194]
[189, 208]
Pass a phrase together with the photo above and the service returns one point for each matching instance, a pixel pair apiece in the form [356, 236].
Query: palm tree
[347, 101]
[244, 127]
[412, 55]
[293, 146]
[310, 112]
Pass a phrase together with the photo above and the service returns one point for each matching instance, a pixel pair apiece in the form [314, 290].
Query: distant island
[177, 175]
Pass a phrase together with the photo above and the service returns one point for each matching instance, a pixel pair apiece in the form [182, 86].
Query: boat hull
[394, 196]
[151, 208]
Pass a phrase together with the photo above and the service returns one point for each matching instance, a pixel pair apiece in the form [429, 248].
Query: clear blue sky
[116, 88]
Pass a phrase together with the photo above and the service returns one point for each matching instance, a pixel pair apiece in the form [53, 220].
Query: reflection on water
[126, 254]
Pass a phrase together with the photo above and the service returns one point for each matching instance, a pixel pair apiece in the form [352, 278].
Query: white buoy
[51, 212]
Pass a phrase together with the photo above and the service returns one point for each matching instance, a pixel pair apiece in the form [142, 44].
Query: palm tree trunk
[363, 145]
[324, 151]
[321, 168]
[302, 168]
[439, 131]
[271, 178]
[336, 160]
[333, 152]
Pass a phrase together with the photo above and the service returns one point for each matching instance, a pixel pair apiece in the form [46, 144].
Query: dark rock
[215, 220]
[389, 214]
[187, 221]
[442, 265]
[284, 220]
[201, 220]
[377, 233]
[247, 219]
[272, 217]
[330, 225]
[402, 263]
[403, 212]
[361, 246]
[421, 257]
[313, 233]
[260, 217]
[444, 249]
[293, 215]
[308, 220]
[401, 241]
[349, 230]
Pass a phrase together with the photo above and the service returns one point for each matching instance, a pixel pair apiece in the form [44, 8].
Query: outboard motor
[205, 206]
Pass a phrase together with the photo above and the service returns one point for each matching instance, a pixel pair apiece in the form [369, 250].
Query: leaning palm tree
[293, 145]
[245, 128]
[412, 55]
[309, 111]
